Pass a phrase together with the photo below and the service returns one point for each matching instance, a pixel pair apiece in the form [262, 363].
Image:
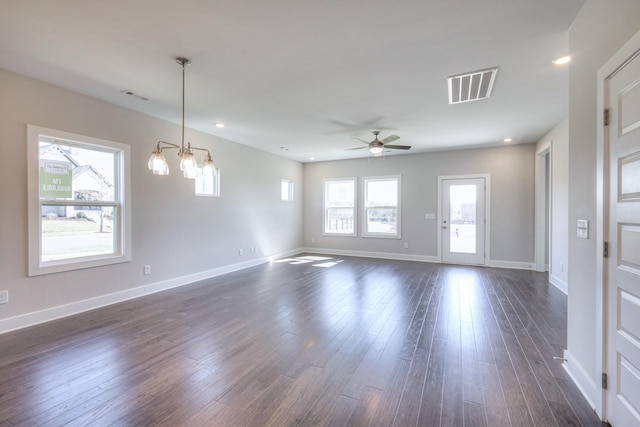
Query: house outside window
[78, 201]
[340, 207]
[381, 207]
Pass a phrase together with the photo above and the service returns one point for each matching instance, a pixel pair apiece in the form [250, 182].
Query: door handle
[444, 226]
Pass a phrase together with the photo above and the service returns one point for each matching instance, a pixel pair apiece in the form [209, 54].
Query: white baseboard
[559, 283]
[518, 265]
[53, 313]
[365, 254]
[408, 257]
[581, 378]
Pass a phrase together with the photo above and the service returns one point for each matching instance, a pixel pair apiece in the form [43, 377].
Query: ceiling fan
[377, 146]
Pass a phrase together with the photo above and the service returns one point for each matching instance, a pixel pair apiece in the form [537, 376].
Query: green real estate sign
[55, 180]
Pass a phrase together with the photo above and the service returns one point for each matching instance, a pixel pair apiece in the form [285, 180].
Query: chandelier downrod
[188, 164]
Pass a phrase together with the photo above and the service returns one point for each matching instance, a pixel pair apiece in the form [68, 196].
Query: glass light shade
[191, 173]
[208, 169]
[158, 164]
[376, 149]
[164, 171]
[189, 166]
[188, 161]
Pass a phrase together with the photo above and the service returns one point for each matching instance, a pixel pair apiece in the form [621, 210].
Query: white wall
[598, 31]
[512, 198]
[558, 139]
[182, 237]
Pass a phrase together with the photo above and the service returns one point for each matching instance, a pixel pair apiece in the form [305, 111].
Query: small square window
[208, 185]
[286, 190]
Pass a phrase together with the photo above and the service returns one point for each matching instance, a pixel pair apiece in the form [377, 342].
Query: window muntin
[340, 206]
[286, 190]
[381, 207]
[77, 215]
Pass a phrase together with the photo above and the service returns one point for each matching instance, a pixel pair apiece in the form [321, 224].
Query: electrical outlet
[147, 270]
[313, 240]
[4, 297]
[406, 245]
[240, 252]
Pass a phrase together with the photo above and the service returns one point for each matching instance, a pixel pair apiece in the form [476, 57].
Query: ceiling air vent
[471, 86]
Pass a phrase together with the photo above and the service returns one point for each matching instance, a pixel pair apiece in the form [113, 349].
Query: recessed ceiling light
[508, 139]
[312, 158]
[220, 125]
[562, 60]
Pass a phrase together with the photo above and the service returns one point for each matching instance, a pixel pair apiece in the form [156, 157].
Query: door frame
[630, 49]
[487, 212]
[543, 207]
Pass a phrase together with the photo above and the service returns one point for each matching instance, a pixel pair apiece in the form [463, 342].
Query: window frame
[325, 183]
[289, 183]
[365, 208]
[121, 203]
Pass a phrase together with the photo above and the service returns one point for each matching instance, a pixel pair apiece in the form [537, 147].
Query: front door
[623, 266]
[463, 224]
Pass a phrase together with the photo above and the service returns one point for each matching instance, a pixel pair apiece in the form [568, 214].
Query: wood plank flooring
[305, 342]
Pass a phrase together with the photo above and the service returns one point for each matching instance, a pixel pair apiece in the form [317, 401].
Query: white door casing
[622, 334]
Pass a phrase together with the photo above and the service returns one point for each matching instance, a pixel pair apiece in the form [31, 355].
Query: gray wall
[559, 168]
[599, 30]
[174, 231]
[512, 198]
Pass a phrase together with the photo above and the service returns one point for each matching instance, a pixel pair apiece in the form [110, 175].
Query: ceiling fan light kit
[377, 146]
[188, 163]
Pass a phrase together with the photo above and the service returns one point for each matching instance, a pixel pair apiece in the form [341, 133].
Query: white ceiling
[306, 75]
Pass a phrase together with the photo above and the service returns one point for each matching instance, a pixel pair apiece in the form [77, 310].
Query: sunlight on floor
[308, 259]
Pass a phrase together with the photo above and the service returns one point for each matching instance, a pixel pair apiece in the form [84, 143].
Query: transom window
[78, 217]
[340, 206]
[382, 206]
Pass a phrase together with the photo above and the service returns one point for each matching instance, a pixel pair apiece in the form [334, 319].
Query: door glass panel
[462, 208]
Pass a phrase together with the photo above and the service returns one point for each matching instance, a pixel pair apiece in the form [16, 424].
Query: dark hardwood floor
[362, 342]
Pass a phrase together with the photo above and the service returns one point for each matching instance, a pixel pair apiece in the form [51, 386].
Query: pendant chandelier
[188, 164]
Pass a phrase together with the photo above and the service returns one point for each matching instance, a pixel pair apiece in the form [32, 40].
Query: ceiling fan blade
[390, 138]
[356, 148]
[397, 147]
[361, 140]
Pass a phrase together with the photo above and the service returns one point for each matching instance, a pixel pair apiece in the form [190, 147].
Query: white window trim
[123, 238]
[355, 206]
[290, 189]
[398, 233]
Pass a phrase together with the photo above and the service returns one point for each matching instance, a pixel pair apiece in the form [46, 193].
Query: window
[382, 206]
[340, 206]
[78, 201]
[208, 185]
[286, 190]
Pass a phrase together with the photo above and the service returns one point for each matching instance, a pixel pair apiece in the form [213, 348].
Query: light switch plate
[583, 228]
[429, 216]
